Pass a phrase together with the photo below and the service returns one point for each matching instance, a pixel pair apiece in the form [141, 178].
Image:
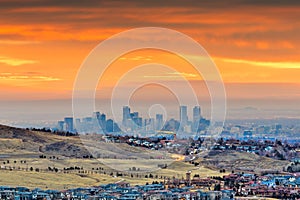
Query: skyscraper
[110, 126]
[69, 124]
[183, 115]
[60, 125]
[96, 115]
[102, 122]
[196, 118]
[159, 122]
[149, 124]
[126, 115]
[196, 113]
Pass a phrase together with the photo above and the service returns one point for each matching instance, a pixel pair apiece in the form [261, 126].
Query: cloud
[137, 58]
[16, 61]
[18, 42]
[173, 75]
[272, 64]
[7, 76]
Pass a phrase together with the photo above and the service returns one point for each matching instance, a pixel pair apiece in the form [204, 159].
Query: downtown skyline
[132, 120]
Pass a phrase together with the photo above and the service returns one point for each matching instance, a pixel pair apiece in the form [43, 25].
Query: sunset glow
[43, 45]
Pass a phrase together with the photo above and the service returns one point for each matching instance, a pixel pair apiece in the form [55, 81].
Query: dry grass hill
[21, 152]
[21, 164]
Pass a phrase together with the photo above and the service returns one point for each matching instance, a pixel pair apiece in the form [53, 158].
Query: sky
[254, 44]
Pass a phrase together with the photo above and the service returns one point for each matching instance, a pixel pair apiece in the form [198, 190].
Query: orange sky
[43, 43]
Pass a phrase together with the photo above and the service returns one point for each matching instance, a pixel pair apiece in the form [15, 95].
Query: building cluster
[231, 186]
[255, 130]
[281, 186]
[272, 149]
[132, 122]
[115, 191]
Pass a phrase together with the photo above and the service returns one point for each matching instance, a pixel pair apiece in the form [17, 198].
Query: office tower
[196, 114]
[60, 125]
[134, 115]
[110, 126]
[138, 121]
[183, 116]
[196, 118]
[102, 117]
[172, 125]
[126, 115]
[116, 127]
[96, 115]
[102, 121]
[159, 122]
[78, 124]
[69, 124]
[149, 124]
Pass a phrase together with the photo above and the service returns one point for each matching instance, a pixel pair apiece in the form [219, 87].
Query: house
[23, 196]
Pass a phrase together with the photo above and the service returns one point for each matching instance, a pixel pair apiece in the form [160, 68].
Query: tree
[217, 187]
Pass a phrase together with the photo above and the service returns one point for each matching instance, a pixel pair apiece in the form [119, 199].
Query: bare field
[19, 174]
[46, 180]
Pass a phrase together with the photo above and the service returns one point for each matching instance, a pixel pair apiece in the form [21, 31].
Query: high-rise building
[96, 115]
[126, 115]
[196, 118]
[196, 114]
[77, 123]
[134, 115]
[159, 122]
[102, 122]
[138, 121]
[60, 125]
[149, 124]
[69, 124]
[102, 117]
[110, 126]
[183, 116]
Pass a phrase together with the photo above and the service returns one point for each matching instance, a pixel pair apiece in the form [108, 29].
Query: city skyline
[149, 100]
[132, 120]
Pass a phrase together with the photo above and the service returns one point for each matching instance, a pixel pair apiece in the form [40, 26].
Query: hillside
[15, 141]
[243, 161]
[21, 152]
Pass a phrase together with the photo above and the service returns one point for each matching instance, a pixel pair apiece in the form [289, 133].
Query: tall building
[196, 118]
[102, 122]
[69, 124]
[183, 115]
[102, 117]
[138, 121]
[126, 115]
[110, 126]
[134, 115]
[159, 122]
[96, 115]
[196, 114]
[60, 125]
[149, 124]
